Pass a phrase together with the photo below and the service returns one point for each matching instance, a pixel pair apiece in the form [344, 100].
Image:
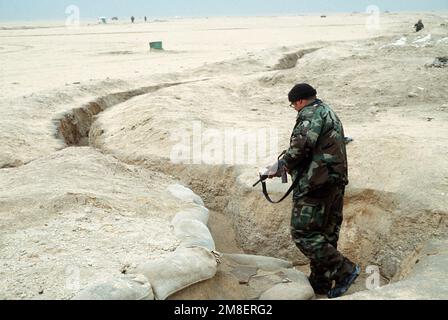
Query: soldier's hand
[276, 170]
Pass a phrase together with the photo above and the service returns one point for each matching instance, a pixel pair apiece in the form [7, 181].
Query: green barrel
[157, 45]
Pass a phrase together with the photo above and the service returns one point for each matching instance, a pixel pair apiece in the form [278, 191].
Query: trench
[73, 127]
[241, 221]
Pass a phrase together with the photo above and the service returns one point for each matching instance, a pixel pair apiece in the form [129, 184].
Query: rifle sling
[266, 194]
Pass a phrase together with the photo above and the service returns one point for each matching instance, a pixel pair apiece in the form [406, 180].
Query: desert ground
[92, 177]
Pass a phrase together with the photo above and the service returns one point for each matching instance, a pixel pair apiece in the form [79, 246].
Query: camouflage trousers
[315, 225]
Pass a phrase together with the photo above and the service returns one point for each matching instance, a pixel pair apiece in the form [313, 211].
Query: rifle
[264, 177]
[284, 175]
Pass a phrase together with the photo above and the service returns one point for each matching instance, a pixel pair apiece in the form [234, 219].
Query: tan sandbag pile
[185, 267]
[250, 277]
[192, 262]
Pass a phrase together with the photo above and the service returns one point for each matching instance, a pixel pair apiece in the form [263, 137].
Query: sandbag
[193, 233]
[289, 291]
[295, 276]
[185, 194]
[181, 269]
[197, 212]
[126, 287]
[265, 263]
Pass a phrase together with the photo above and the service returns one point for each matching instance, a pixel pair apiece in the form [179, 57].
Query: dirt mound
[79, 216]
[289, 60]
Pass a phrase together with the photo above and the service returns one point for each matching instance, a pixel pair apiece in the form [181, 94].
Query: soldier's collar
[316, 102]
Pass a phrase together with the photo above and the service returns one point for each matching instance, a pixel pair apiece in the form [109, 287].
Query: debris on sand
[399, 43]
[439, 62]
[422, 42]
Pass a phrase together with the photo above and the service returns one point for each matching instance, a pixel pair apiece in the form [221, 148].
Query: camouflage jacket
[317, 154]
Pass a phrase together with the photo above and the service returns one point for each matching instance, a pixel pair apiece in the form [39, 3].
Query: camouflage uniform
[317, 157]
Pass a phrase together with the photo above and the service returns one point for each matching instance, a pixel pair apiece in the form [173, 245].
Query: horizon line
[153, 18]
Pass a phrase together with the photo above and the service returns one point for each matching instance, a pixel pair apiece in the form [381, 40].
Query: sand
[220, 73]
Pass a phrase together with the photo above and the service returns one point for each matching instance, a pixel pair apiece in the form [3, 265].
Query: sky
[23, 10]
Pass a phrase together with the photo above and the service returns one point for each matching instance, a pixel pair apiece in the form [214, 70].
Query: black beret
[301, 91]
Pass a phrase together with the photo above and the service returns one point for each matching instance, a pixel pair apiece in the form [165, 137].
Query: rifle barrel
[256, 183]
[262, 178]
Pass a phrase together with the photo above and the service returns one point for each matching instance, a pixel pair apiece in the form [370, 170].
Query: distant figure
[419, 26]
[132, 19]
[146, 19]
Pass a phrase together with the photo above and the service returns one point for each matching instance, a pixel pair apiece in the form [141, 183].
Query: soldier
[132, 19]
[419, 26]
[317, 157]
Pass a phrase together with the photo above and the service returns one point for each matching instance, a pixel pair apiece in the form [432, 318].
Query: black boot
[344, 283]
